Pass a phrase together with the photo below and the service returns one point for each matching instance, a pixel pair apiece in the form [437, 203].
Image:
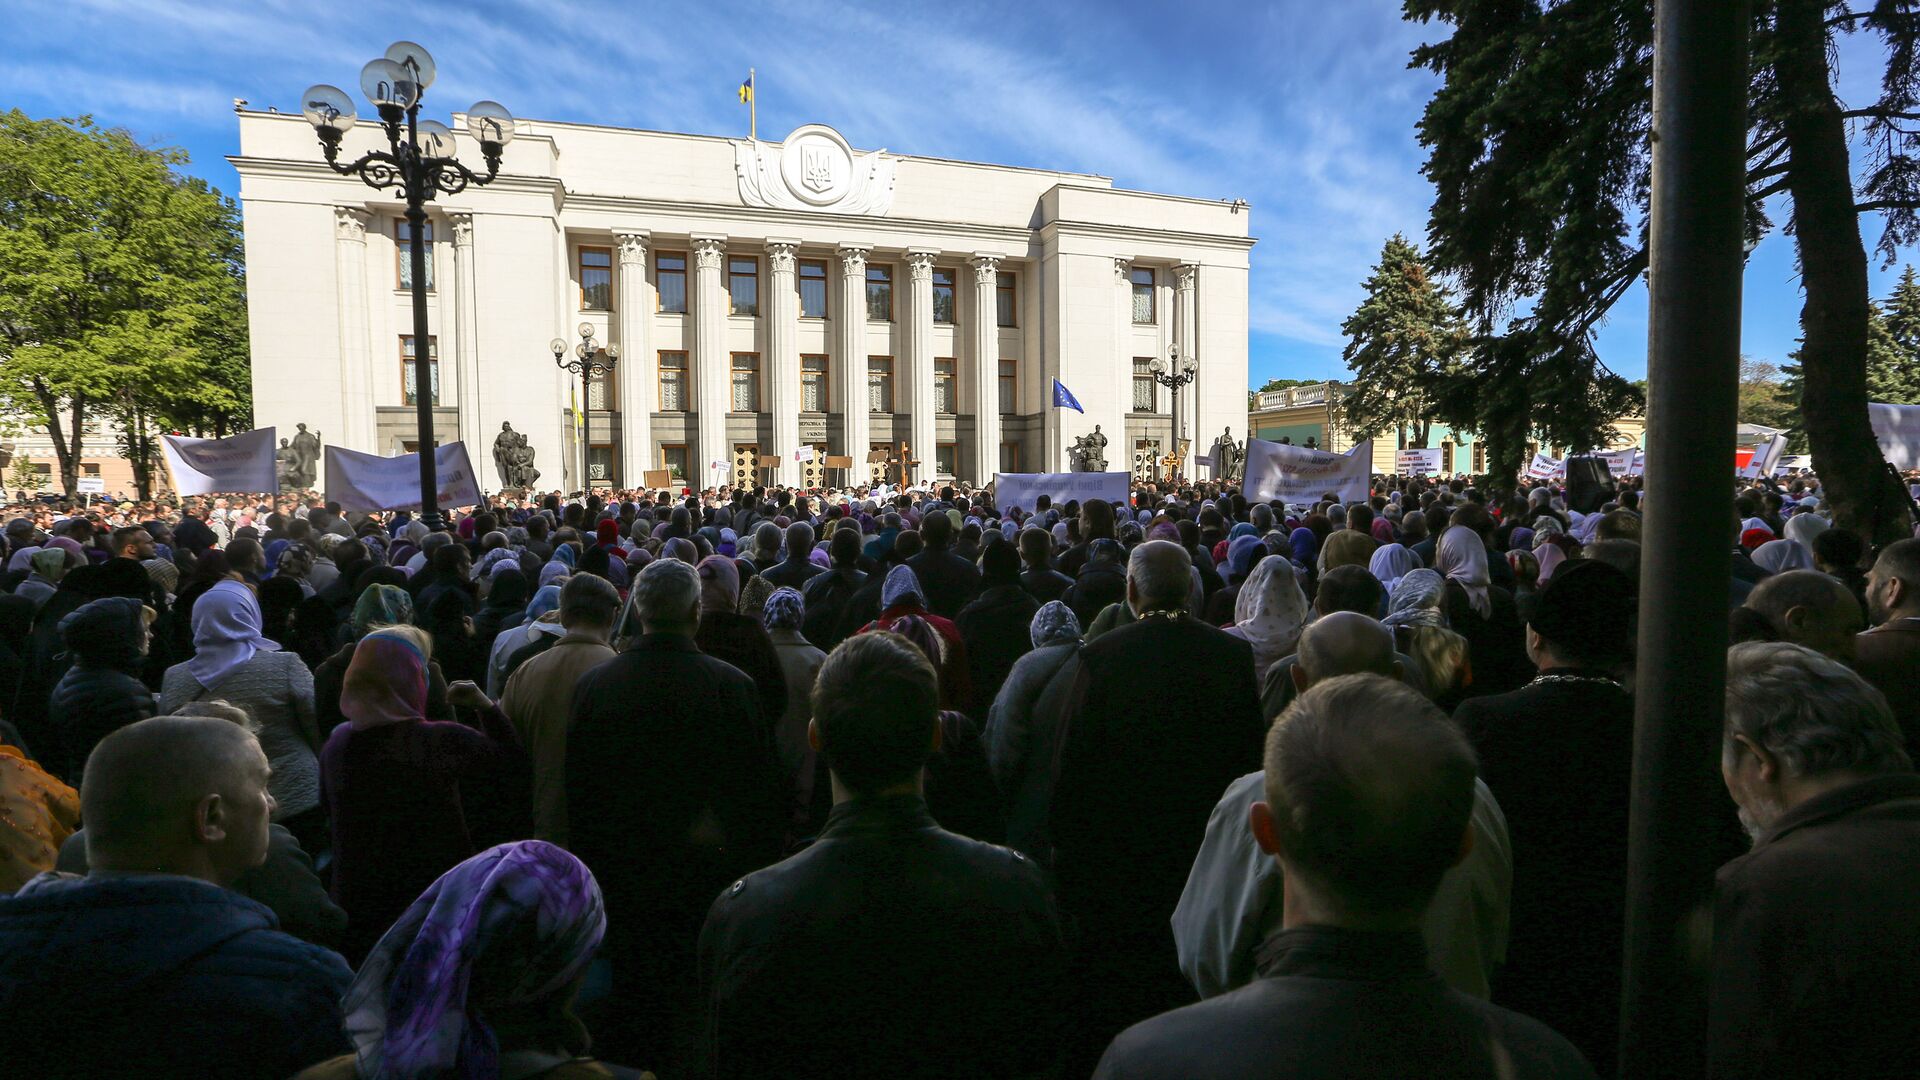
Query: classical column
[633, 314]
[781, 308]
[850, 356]
[466, 356]
[985, 341]
[1122, 370]
[1184, 335]
[919, 361]
[356, 353]
[710, 363]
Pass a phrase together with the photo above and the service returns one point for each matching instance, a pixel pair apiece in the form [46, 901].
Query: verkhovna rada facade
[764, 296]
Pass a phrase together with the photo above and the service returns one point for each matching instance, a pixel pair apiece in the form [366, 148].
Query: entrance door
[746, 459]
[1146, 459]
[813, 474]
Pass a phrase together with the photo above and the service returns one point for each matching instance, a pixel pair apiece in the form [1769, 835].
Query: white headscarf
[1270, 610]
[1780, 556]
[1463, 559]
[1391, 563]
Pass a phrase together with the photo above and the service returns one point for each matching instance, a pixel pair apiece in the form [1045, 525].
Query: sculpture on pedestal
[513, 457]
[301, 468]
[1229, 457]
[1089, 452]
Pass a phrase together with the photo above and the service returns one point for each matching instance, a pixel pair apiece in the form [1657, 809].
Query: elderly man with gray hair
[1816, 952]
[671, 794]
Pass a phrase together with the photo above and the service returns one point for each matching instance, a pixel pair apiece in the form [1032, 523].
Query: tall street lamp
[1173, 375]
[590, 362]
[418, 164]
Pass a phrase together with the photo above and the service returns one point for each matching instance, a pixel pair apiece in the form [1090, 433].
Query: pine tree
[1403, 343]
[1893, 363]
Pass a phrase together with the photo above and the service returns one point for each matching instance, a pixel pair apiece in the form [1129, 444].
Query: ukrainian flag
[746, 91]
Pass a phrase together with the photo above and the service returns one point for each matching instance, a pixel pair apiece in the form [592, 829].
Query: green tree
[1764, 399]
[1893, 361]
[23, 476]
[1403, 343]
[1538, 148]
[120, 286]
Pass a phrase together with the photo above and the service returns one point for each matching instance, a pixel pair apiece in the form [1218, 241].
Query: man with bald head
[149, 965]
[1154, 718]
[1807, 607]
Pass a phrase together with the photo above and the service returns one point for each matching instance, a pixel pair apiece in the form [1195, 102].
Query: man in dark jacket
[1816, 953]
[1558, 754]
[102, 692]
[149, 966]
[828, 595]
[795, 570]
[1039, 578]
[674, 794]
[1888, 655]
[995, 626]
[1369, 795]
[950, 580]
[1157, 717]
[891, 948]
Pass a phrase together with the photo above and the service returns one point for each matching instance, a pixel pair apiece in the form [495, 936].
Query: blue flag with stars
[1064, 399]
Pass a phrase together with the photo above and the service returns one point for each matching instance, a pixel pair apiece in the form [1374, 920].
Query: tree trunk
[1421, 432]
[142, 456]
[1833, 272]
[66, 446]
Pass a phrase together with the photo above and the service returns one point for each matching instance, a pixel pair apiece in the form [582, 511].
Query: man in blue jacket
[149, 966]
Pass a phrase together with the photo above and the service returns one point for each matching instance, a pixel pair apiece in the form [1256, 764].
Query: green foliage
[1764, 398]
[121, 285]
[1893, 346]
[1404, 343]
[23, 476]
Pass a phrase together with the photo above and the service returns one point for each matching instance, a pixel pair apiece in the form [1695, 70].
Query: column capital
[708, 250]
[1185, 275]
[462, 229]
[853, 258]
[984, 265]
[920, 264]
[1122, 266]
[633, 245]
[350, 223]
[780, 254]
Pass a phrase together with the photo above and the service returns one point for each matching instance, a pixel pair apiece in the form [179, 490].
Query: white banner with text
[1296, 474]
[1417, 462]
[238, 463]
[368, 482]
[1022, 490]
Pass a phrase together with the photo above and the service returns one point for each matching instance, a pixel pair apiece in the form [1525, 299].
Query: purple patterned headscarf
[413, 1011]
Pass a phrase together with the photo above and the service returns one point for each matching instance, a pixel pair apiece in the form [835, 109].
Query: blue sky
[1302, 107]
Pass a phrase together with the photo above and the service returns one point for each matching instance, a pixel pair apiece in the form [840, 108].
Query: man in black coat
[1369, 794]
[101, 693]
[997, 627]
[1816, 952]
[1102, 581]
[829, 594]
[890, 948]
[1558, 754]
[1039, 578]
[950, 580]
[795, 570]
[1154, 720]
[671, 777]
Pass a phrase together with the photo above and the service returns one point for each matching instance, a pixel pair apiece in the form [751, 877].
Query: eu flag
[1064, 399]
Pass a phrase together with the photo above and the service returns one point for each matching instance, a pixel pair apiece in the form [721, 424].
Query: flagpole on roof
[753, 108]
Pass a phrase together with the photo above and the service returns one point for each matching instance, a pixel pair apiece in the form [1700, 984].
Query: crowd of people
[756, 783]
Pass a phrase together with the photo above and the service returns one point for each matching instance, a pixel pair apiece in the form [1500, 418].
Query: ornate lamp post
[1173, 375]
[418, 165]
[590, 361]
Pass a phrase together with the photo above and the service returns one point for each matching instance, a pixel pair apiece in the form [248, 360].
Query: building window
[670, 281]
[673, 458]
[602, 392]
[1009, 457]
[1479, 458]
[600, 464]
[743, 284]
[596, 279]
[880, 293]
[1009, 386]
[880, 384]
[673, 381]
[945, 380]
[946, 457]
[813, 289]
[1446, 458]
[813, 383]
[746, 382]
[943, 296]
[409, 388]
[1142, 279]
[403, 252]
[1003, 299]
[1143, 384]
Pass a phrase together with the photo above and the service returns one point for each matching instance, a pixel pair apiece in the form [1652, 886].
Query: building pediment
[814, 168]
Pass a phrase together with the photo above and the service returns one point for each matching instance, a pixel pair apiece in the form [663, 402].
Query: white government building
[763, 296]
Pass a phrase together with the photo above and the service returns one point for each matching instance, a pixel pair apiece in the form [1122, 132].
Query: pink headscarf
[1383, 530]
[1463, 559]
[1550, 555]
[386, 682]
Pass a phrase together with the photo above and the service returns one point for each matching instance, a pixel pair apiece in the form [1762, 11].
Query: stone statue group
[1088, 453]
[297, 462]
[513, 456]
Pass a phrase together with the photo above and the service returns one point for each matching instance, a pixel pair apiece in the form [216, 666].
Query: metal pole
[1699, 165]
[422, 370]
[586, 426]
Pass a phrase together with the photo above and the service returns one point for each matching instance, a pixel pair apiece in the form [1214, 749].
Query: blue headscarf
[1054, 624]
[1242, 551]
[1306, 547]
[545, 599]
[786, 609]
[1244, 528]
